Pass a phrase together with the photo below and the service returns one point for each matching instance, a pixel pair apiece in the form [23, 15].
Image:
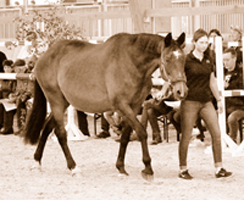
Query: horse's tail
[37, 116]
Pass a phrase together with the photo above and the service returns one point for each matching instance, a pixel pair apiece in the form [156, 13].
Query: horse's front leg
[127, 112]
[124, 140]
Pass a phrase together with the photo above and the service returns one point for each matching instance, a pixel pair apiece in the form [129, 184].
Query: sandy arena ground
[99, 178]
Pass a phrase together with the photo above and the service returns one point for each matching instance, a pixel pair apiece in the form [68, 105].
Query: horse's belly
[89, 103]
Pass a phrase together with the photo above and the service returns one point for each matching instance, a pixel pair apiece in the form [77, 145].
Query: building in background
[21, 2]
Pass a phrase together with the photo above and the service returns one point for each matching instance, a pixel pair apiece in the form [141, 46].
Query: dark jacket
[7, 87]
[235, 80]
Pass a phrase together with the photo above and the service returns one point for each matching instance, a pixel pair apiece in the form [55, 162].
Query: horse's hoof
[76, 171]
[123, 174]
[36, 165]
[147, 177]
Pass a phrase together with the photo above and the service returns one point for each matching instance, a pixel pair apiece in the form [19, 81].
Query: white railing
[227, 143]
[73, 132]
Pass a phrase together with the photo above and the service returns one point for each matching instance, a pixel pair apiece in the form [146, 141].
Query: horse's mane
[144, 41]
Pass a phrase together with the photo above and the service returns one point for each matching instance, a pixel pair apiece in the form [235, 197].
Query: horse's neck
[150, 53]
[150, 43]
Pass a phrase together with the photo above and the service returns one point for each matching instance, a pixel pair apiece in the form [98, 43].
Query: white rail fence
[227, 143]
[73, 131]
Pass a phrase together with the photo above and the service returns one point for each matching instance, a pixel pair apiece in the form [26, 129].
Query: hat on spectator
[237, 29]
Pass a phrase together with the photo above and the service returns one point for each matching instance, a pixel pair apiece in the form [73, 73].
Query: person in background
[233, 80]
[30, 66]
[153, 107]
[201, 84]
[83, 123]
[105, 128]
[22, 94]
[2, 58]
[213, 33]
[8, 88]
[236, 37]
[236, 34]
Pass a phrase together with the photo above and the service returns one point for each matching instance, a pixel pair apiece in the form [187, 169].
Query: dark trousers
[233, 123]
[82, 122]
[190, 111]
[104, 123]
[7, 118]
[151, 111]
[1, 115]
[20, 118]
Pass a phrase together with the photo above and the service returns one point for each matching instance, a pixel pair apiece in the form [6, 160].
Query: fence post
[226, 140]
[196, 19]
[137, 16]
[162, 24]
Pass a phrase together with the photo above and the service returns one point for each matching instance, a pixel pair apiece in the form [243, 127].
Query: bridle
[169, 79]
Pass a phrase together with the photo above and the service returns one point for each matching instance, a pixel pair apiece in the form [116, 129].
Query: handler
[202, 85]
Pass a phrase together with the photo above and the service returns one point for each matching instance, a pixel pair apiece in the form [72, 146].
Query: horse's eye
[167, 58]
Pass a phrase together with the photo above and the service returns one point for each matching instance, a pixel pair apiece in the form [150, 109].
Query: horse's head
[173, 64]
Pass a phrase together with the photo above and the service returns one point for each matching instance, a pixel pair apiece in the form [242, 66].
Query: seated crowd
[10, 95]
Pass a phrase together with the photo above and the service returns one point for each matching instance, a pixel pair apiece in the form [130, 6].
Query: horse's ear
[168, 39]
[181, 39]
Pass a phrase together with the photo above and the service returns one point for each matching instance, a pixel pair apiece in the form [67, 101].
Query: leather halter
[171, 81]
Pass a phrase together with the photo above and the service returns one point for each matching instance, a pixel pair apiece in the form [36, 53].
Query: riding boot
[82, 122]
[8, 122]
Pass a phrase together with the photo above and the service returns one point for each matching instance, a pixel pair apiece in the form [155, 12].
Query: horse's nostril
[178, 92]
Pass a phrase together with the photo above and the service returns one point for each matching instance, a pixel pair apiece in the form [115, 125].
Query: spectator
[202, 85]
[117, 128]
[213, 33]
[30, 66]
[23, 94]
[152, 109]
[2, 58]
[82, 122]
[236, 41]
[236, 34]
[8, 88]
[105, 128]
[233, 80]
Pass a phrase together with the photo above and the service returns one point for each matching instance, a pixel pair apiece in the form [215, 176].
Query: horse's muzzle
[180, 91]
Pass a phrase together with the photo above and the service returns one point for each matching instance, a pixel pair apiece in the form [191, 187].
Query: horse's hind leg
[58, 110]
[59, 105]
[48, 127]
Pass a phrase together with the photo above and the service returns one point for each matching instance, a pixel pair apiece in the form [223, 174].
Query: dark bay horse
[113, 76]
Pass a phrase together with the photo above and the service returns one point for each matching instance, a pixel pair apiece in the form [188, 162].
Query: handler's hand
[220, 107]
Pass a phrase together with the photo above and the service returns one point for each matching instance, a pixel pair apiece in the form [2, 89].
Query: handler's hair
[198, 34]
